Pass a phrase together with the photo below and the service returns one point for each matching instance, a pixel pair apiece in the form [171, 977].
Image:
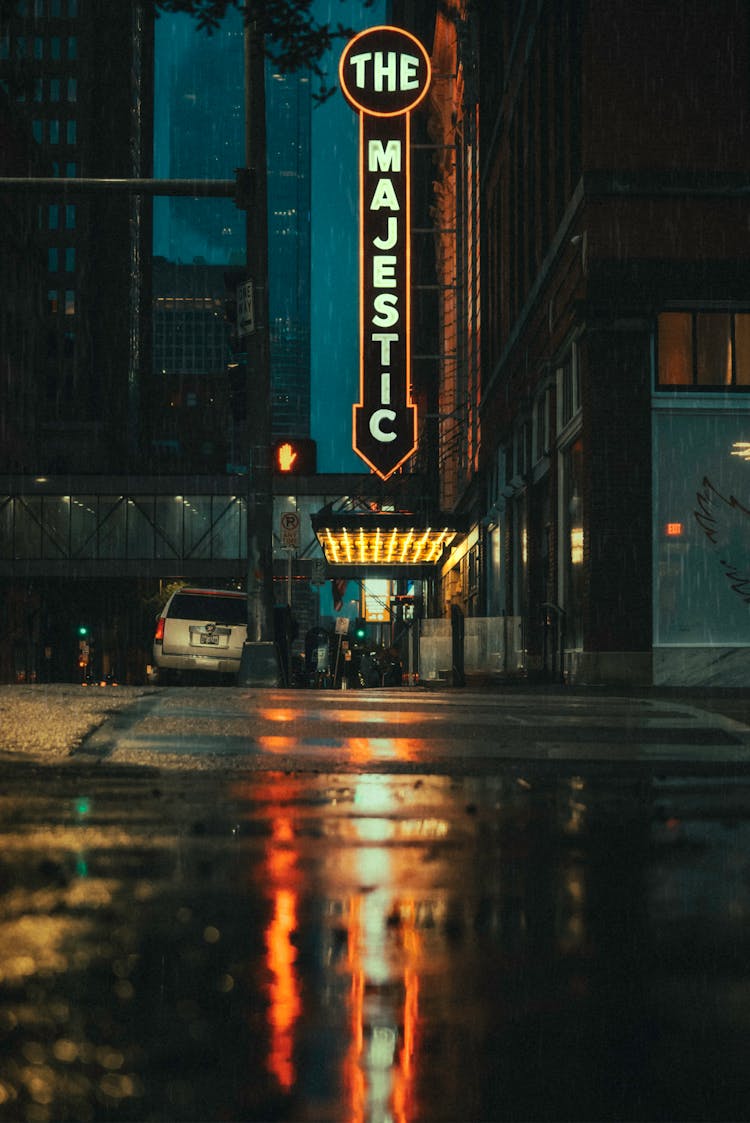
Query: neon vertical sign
[384, 74]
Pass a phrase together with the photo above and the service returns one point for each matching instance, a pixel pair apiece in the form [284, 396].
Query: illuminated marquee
[384, 74]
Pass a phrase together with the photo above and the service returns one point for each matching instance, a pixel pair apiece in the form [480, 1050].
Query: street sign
[290, 530]
[245, 309]
[342, 625]
[318, 571]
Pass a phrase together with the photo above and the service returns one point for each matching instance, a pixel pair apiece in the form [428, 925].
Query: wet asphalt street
[380, 906]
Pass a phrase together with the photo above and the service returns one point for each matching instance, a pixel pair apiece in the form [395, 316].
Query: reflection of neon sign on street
[384, 74]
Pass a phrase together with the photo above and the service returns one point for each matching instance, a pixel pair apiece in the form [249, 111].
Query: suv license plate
[210, 639]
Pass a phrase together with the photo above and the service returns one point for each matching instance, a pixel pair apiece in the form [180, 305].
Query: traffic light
[295, 456]
[83, 631]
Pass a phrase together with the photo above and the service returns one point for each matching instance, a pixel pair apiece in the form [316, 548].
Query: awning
[359, 539]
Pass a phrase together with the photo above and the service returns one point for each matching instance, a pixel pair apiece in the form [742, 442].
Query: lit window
[70, 302]
[742, 349]
[703, 349]
[675, 349]
[713, 350]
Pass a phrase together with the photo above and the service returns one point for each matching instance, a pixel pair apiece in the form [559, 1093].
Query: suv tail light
[159, 633]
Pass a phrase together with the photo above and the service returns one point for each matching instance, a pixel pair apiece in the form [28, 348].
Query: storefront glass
[571, 538]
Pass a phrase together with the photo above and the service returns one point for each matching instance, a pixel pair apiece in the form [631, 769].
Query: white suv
[200, 630]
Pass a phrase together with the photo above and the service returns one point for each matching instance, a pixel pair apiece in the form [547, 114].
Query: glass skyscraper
[199, 244]
[312, 222]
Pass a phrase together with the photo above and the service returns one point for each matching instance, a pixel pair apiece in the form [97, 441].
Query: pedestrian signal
[295, 456]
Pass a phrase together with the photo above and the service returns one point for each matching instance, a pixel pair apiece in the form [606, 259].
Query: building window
[568, 391]
[70, 302]
[53, 217]
[53, 262]
[54, 89]
[71, 132]
[70, 259]
[521, 449]
[542, 435]
[705, 349]
[72, 89]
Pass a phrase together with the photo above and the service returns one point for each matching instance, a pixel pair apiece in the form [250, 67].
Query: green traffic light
[83, 630]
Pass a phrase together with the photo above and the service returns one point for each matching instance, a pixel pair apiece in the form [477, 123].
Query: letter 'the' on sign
[384, 74]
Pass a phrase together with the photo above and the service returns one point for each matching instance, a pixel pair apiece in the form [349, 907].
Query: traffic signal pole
[260, 664]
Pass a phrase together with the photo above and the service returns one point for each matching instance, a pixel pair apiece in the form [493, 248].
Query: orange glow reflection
[376, 1084]
[356, 749]
[278, 714]
[285, 1004]
[283, 990]
[278, 744]
[375, 979]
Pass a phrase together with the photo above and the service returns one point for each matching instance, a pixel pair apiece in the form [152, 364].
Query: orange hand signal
[287, 456]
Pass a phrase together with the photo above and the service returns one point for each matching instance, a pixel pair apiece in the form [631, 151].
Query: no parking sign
[290, 530]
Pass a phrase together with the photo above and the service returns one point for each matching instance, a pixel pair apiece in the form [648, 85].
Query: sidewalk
[732, 701]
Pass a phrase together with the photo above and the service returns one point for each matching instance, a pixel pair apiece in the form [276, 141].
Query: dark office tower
[288, 128]
[22, 290]
[191, 424]
[78, 77]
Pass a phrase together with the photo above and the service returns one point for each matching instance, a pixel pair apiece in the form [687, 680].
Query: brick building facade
[609, 489]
